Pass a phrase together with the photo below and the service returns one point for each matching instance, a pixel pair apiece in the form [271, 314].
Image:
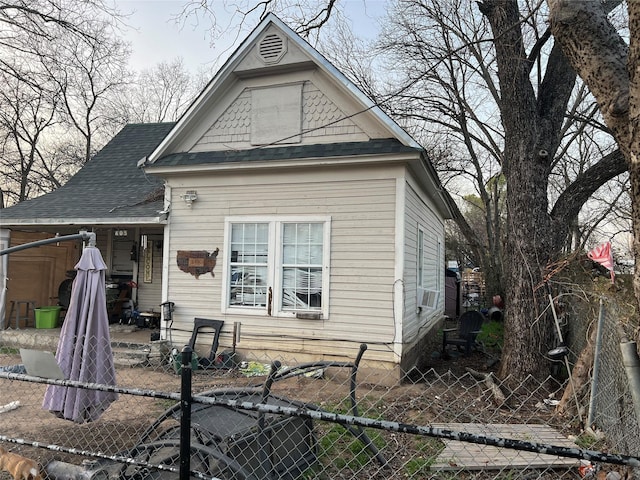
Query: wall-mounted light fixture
[189, 197]
[167, 310]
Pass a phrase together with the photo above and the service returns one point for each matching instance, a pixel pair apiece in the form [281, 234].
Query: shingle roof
[371, 147]
[110, 187]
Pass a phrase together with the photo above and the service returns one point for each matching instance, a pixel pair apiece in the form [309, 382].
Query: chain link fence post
[631, 364]
[185, 417]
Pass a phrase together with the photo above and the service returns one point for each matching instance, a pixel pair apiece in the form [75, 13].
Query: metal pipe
[185, 419]
[266, 467]
[631, 364]
[90, 236]
[429, 431]
[358, 431]
[596, 366]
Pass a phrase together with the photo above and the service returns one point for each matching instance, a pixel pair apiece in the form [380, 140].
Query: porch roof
[108, 189]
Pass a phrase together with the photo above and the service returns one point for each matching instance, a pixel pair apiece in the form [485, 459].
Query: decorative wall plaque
[197, 262]
[147, 263]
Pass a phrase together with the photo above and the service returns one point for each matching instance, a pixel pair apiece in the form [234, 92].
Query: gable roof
[108, 189]
[228, 74]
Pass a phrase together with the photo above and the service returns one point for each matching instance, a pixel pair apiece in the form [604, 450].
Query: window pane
[302, 243]
[302, 289]
[302, 266]
[249, 243]
[248, 286]
[249, 256]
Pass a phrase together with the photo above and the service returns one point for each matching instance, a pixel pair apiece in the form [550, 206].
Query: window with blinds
[277, 266]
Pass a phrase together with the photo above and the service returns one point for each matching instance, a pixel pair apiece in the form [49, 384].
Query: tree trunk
[531, 128]
[609, 68]
[528, 330]
[634, 140]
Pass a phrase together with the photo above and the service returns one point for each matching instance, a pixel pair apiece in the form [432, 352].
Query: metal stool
[16, 306]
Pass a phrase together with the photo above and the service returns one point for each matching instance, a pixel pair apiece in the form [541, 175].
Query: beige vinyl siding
[360, 204]
[420, 212]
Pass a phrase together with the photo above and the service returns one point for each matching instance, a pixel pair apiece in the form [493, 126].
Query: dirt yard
[443, 393]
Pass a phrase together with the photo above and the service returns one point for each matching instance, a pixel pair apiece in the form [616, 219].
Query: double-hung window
[429, 268]
[277, 266]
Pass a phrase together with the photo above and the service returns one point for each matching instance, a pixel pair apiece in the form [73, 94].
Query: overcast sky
[156, 37]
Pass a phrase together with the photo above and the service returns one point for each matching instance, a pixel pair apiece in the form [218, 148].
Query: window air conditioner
[427, 298]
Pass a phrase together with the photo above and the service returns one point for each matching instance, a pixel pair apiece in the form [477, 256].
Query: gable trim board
[53, 221]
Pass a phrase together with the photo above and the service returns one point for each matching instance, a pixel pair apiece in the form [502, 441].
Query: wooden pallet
[472, 456]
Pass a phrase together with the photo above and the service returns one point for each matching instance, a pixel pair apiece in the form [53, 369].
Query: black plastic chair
[207, 325]
[469, 325]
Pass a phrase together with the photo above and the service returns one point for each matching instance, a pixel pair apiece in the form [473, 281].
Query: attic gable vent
[271, 48]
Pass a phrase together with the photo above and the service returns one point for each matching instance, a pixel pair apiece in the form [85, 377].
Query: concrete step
[129, 356]
[132, 354]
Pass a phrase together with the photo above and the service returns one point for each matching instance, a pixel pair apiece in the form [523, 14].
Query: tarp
[602, 254]
[84, 349]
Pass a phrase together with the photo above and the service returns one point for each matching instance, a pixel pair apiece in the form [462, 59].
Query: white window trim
[432, 290]
[275, 262]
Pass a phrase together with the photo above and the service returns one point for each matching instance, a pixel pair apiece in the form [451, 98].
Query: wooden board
[472, 456]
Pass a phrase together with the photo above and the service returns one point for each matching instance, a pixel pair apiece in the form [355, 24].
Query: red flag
[602, 254]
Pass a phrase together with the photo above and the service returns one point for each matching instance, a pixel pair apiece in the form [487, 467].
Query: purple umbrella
[84, 349]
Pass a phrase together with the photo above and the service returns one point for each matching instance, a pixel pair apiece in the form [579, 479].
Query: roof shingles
[109, 186]
[345, 149]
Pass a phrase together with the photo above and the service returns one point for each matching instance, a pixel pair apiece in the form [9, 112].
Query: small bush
[492, 336]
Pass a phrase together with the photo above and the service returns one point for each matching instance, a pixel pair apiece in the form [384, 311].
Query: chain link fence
[325, 420]
[606, 400]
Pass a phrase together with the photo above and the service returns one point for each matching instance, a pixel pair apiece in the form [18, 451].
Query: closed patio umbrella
[84, 348]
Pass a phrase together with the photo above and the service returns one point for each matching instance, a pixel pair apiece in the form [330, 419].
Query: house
[293, 209]
[325, 218]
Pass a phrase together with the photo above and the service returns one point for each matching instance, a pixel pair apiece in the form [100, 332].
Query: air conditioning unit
[427, 298]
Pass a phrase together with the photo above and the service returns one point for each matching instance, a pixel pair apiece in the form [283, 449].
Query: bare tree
[26, 24]
[162, 93]
[87, 75]
[533, 109]
[63, 58]
[487, 82]
[306, 16]
[608, 65]
[26, 113]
